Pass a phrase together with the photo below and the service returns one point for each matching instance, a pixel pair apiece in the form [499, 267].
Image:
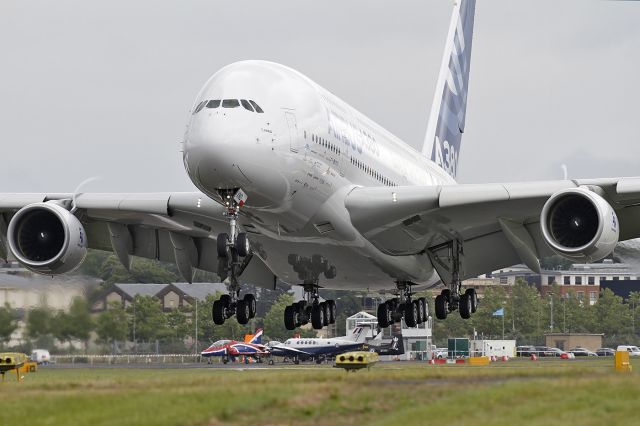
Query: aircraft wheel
[250, 300]
[325, 313]
[410, 314]
[474, 299]
[243, 248]
[296, 361]
[290, 317]
[383, 315]
[425, 309]
[270, 362]
[223, 248]
[225, 360]
[226, 300]
[317, 316]
[218, 312]
[391, 311]
[332, 311]
[442, 306]
[242, 312]
[465, 306]
[419, 311]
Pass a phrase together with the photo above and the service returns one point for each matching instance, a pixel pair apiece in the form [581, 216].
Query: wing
[171, 227]
[498, 224]
[281, 350]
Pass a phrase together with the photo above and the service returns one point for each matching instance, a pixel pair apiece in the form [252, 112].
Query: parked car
[440, 353]
[605, 352]
[633, 350]
[526, 351]
[546, 351]
[582, 352]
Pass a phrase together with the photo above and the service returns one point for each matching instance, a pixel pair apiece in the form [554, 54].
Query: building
[171, 296]
[566, 341]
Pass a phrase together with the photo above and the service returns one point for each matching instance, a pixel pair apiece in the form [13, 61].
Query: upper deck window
[230, 103]
[215, 103]
[199, 107]
[256, 107]
[246, 105]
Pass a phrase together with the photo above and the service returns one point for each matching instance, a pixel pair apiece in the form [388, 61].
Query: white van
[633, 350]
[41, 356]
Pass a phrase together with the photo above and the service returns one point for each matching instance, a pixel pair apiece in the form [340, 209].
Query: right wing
[180, 228]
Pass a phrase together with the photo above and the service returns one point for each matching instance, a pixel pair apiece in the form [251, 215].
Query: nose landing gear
[234, 254]
[310, 309]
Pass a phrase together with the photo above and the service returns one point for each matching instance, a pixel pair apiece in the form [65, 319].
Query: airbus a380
[296, 185]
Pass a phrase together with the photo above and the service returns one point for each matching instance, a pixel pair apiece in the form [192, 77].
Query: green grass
[517, 392]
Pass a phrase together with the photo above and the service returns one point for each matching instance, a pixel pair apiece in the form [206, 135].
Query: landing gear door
[292, 126]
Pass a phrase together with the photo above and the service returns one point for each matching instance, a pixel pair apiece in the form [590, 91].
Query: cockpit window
[199, 107]
[230, 103]
[215, 103]
[256, 107]
[246, 105]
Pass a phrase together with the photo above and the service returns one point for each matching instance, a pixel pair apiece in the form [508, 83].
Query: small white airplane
[298, 186]
[320, 348]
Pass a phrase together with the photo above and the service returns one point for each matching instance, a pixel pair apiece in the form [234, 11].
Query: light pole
[551, 311]
[135, 346]
[196, 327]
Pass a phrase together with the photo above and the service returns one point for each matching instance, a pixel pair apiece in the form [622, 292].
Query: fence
[126, 359]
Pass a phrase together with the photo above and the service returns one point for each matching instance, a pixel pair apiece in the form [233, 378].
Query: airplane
[296, 186]
[320, 348]
[230, 349]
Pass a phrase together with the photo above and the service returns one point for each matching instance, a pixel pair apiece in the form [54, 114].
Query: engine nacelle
[46, 238]
[580, 225]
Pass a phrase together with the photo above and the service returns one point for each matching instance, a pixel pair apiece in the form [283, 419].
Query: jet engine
[580, 225]
[46, 238]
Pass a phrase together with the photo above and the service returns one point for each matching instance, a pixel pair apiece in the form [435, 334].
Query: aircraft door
[292, 126]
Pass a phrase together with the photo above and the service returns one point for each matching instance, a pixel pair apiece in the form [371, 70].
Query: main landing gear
[414, 311]
[310, 309]
[234, 254]
[452, 298]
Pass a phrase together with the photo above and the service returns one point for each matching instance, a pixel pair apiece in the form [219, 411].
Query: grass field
[517, 392]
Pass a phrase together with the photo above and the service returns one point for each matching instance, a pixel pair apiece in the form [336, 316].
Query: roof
[133, 290]
[362, 315]
[200, 291]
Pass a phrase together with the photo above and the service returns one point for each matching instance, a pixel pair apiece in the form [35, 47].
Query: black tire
[410, 313]
[464, 306]
[296, 361]
[271, 362]
[290, 315]
[332, 311]
[242, 312]
[225, 360]
[383, 315]
[425, 309]
[300, 306]
[223, 249]
[391, 311]
[250, 300]
[218, 312]
[442, 307]
[474, 299]
[447, 293]
[243, 247]
[419, 318]
[325, 314]
[226, 300]
[317, 316]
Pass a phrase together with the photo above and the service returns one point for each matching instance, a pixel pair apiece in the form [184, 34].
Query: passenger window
[214, 103]
[256, 107]
[230, 103]
[199, 107]
[246, 105]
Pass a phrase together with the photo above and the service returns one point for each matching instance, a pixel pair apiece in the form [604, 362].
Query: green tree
[39, 322]
[634, 305]
[612, 317]
[8, 323]
[146, 319]
[142, 271]
[112, 324]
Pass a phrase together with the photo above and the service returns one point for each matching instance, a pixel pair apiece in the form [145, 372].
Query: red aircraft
[230, 349]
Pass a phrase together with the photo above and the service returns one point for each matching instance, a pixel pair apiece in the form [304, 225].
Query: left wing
[498, 224]
[180, 228]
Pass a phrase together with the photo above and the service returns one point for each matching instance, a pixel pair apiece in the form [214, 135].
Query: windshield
[221, 343]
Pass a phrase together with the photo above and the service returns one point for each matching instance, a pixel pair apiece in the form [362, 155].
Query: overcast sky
[104, 88]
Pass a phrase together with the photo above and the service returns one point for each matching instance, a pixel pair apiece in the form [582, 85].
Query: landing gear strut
[414, 311]
[234, 254]
[452, 298]
[310, 309]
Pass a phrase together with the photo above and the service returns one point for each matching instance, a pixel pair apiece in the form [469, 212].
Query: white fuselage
[297, 160]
